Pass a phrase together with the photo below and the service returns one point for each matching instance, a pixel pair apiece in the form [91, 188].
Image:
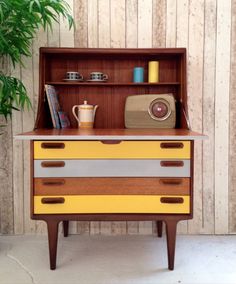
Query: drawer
[112, 186]
[109, 150]
[111, 204]
[112, 168]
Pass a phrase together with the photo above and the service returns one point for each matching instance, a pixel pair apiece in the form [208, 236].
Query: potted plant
[19, 23]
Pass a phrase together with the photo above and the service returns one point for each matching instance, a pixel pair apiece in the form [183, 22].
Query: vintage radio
[150, 111]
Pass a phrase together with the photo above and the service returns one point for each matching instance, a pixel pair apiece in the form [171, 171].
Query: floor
[118, 259]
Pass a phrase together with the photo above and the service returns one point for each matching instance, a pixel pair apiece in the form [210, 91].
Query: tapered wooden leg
[171, 226]
[159, 228]
[65, 228]
[52, 241]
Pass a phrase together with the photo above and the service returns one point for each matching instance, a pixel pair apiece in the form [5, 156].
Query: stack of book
[59, 117]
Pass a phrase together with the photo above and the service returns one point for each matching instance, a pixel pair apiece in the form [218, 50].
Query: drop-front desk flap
[111, 134]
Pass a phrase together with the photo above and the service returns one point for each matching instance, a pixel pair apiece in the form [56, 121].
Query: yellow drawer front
[111, 204]
[99, 150]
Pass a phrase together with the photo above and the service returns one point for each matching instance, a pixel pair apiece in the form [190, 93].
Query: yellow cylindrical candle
[153, 71]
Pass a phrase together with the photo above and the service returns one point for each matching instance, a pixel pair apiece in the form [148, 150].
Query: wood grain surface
[111, 186]
[208, 218]
[151, 133]
[182, 23]
[6, 171]
[222, 108]
[40, 41]
[18, 172]
[195, 77]
[232, 148]
[206, 29]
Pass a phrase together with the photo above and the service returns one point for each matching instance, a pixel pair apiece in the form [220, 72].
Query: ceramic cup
[97, 76]
[138, 75]
[72, 75]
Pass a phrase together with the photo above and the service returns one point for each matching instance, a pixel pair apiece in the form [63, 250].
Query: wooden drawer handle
[111, 142]
[54, 164]
[173, 200]
[169, 145]
[172, 163]
[53, 182]
[171, 181]
[53, 200]
[53, 145]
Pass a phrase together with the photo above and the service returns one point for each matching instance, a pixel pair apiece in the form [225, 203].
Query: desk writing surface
[111, 134]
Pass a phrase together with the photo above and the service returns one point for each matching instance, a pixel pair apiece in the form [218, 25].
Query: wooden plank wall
[208, 30]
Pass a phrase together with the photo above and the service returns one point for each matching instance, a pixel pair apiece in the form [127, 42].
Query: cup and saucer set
[93, 77]
[73, 76]
[97, 77]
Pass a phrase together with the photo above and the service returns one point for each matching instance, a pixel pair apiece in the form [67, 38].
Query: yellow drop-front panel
[125, 149]
[111, 204]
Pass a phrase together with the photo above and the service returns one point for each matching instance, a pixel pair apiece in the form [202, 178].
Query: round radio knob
[159, 109]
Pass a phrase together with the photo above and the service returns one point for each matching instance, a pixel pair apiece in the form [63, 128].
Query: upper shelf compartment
[111, 95]
[118, 64]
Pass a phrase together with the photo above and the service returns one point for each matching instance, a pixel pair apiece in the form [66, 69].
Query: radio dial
[159, 109]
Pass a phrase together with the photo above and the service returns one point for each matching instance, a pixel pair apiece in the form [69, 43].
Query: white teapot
[85, 114]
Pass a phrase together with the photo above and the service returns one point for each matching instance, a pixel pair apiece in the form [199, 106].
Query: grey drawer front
[111, 168]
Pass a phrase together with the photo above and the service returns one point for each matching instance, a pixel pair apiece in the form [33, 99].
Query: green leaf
[13, 95]
[20, 20]
[19, 23]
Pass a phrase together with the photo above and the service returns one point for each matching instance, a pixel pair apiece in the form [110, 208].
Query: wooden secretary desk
[109, 172]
